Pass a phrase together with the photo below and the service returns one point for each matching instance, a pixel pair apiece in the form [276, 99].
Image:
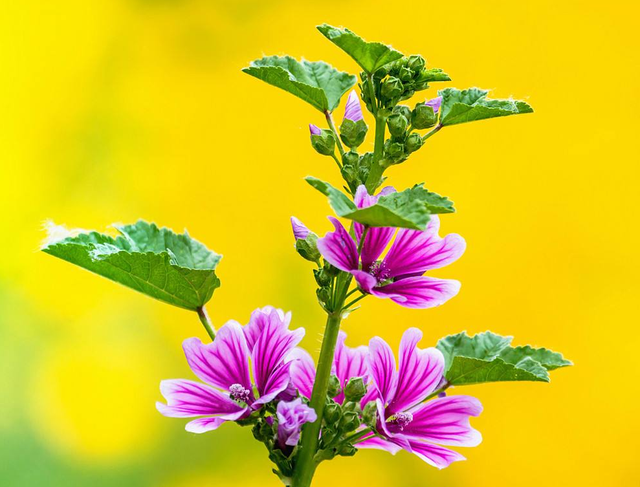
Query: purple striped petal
[338, 248]
[300, 231]
[186, 398]
[435, 455]
[352, 110]
[382, 367]
[446, 421]
[419, 292]
[268, 354]
[258, 321]
[202, 425]
[377, 443]
[365, 281]
[314, 130]
[377, 238]
[224, 362]
[349, 363]
[413, 252]
[419, 372]
[276, 383]
[434, 103]
[303, 371]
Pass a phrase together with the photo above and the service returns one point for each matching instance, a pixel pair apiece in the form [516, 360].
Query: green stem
[377, 166]
[206, 322]
[361, 243]
[429, 134]
[347, 306]
[305, 465]
[329, 118]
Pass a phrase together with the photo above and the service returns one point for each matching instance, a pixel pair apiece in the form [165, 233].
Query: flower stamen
[238, 393]
[401, 420]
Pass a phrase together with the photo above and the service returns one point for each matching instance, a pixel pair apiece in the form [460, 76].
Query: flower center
[239, 393]
[380, 271]
[401, 420]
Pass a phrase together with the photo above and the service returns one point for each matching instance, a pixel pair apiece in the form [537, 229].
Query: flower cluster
[371, 405]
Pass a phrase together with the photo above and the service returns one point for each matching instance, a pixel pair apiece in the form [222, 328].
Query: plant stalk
[377, 168]
[206, 322]
[332, 126]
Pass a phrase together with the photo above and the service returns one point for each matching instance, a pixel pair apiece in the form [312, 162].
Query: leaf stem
[337, 161]
[429, 134]
[362, 237]
[206, 322]
[377, 166]
[332, 126]
[347, 306]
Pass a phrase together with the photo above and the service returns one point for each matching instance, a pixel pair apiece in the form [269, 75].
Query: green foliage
[407, 209]
[461, 106]
[369, 55]
[155, 261]
[317, 83]
[488, 357]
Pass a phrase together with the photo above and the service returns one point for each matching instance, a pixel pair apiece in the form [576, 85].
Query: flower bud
[329, 435]
[352, 109]
[416, 63]
[350, 406]
[355, 389]
[332, 413]
[369, 413]
[413, 143]
[423, 116]
[353, 133]
[393, 151]
[348, 450]
[314, 129]
[391, 88]
[403, 110]
[299, 229]
[397, 124]
[350, 158]
[324, 142]
[308, 248]
[324, 295]
[405, 74]
[322, 277]
[349, 173]
[334, 387]
[434, 103]
[349, 421]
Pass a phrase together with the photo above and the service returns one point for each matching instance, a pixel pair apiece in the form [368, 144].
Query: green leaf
[407, 209]
[434, 74]
[488, 357]
[173, 268]
[472, 104]
[369, 55]
[317, 83]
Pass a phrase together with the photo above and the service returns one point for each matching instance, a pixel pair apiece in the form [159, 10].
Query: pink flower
[228, 392]
[291, 416]
[407, 422]
[352, 109]
[399, 274]
[434, 103]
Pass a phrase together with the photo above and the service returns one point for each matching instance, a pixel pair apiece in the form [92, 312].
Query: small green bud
[353, 133]
[397, 124]
[308, 249]
[413, 143]
[349, 421]
[408, 93]
[369, 413]
[405, 74]
[391, 88]
[423, 116]
[381, 72]
[332, 412]
[322, 277]
[393, 151]
[416, 63]
[329, 435]
[349, 173]
[351, 158]
[334, 387]
[355, 389]
[323, 294]
[324, 143]
[331, 270]
[403, 110]
[348, 450]
[350, 406]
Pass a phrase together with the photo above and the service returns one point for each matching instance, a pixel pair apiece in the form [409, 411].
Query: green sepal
[317, 83]
[369, 55]
[488, 357]
[324, 143]
[407, 209]
[172, 268]
[461, 106]
[308, 249]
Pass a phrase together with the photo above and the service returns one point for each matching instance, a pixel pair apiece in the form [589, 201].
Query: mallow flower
[291, 416]
[399, 274]
[405, 420]
[227, 365]
[348, 363]
[352, 109]
[300, 231]
[434, 103]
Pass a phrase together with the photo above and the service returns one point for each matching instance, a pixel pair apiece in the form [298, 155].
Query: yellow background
[115, 110]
